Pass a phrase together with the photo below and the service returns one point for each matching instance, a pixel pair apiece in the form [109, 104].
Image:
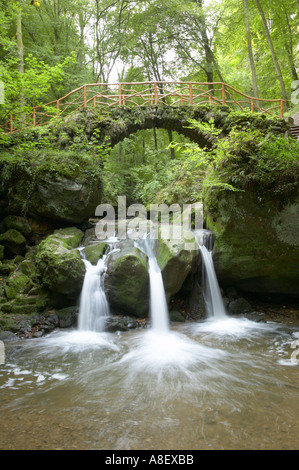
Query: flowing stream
[222, 383]
[158, 304]
[212, 294]
[94, 308]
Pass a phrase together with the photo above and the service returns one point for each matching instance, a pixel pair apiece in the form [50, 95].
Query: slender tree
[271, 47]
[250, 51]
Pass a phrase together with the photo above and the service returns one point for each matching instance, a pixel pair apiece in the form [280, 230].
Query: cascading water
[212, 295]
[94, 308]
[158, 304]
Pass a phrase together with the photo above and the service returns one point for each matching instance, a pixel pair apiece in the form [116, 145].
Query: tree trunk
[274, 58]
[21, 66]
[209, 56]
[289, 47]
[172, 151]
[20, 46]
[250, 52]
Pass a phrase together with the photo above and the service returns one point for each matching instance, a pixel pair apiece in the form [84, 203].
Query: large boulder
[127, 281]
[256, 240]
[17, 283]
[60, 265]
[63, 188]
[127, 278]
[94, 252]
[14, 243]
[176, 258]
[21, 224]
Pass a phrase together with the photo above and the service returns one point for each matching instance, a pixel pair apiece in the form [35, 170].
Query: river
[216, 384]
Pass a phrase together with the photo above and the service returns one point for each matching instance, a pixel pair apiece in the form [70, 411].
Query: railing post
[156, 93]
[11, 124]
[34, 117]
[84, 96]
[252, 105]
[281, 108]
[94, 101]
[223, 93]
[119, 94]
[190, 94]
[57, 107]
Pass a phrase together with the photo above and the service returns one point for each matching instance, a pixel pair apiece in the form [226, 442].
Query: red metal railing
[143, 94]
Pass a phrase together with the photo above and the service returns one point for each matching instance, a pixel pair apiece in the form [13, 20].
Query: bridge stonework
[117, 123]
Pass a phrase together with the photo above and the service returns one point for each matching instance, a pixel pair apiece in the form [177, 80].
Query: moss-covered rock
[21, 224]
[94, 252]
[71, 236]
[56, 186]
[176, 257]
[256, 240]
[127, 282]
[17, 283]
[67, 317]
[14, 242]
[60, 265]
[28, 267]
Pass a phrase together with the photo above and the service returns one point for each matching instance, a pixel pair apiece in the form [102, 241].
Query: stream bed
[216, 384]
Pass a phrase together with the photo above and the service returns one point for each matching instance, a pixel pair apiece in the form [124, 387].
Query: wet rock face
[60, 265]
[176, 262]
[127, 282]
[14, 243]
[61, 190]
[58, 199]
[256, 241]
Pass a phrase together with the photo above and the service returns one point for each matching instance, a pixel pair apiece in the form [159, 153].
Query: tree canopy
[250, 44]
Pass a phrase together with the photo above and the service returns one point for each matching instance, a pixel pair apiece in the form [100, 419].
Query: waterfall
[158, 304]
[212, 295]
[94, 308]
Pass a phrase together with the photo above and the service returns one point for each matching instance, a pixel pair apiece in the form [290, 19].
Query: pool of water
[229, 384]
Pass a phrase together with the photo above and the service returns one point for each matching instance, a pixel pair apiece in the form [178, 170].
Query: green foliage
[249, 160]
[34, 84]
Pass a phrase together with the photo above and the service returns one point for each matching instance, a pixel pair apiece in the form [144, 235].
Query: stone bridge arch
[117, 123]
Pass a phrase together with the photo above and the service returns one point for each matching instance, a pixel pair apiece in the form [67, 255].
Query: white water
[218, 384]
[94, 308]
[213, 298]
[158, 304]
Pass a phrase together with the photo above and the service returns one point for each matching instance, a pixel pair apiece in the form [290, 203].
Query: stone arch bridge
[118, 110]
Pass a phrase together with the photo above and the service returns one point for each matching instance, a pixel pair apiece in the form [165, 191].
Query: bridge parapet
[142, 94]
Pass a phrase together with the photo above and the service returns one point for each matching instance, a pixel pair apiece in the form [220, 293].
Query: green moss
[18, 223]
[59, 265]
[252, 249]
[127, 282]
[28, 267]
[17, 283]
[176, 259]
[71, 236]
[94, 252]
[7, 323]
[13, 241]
